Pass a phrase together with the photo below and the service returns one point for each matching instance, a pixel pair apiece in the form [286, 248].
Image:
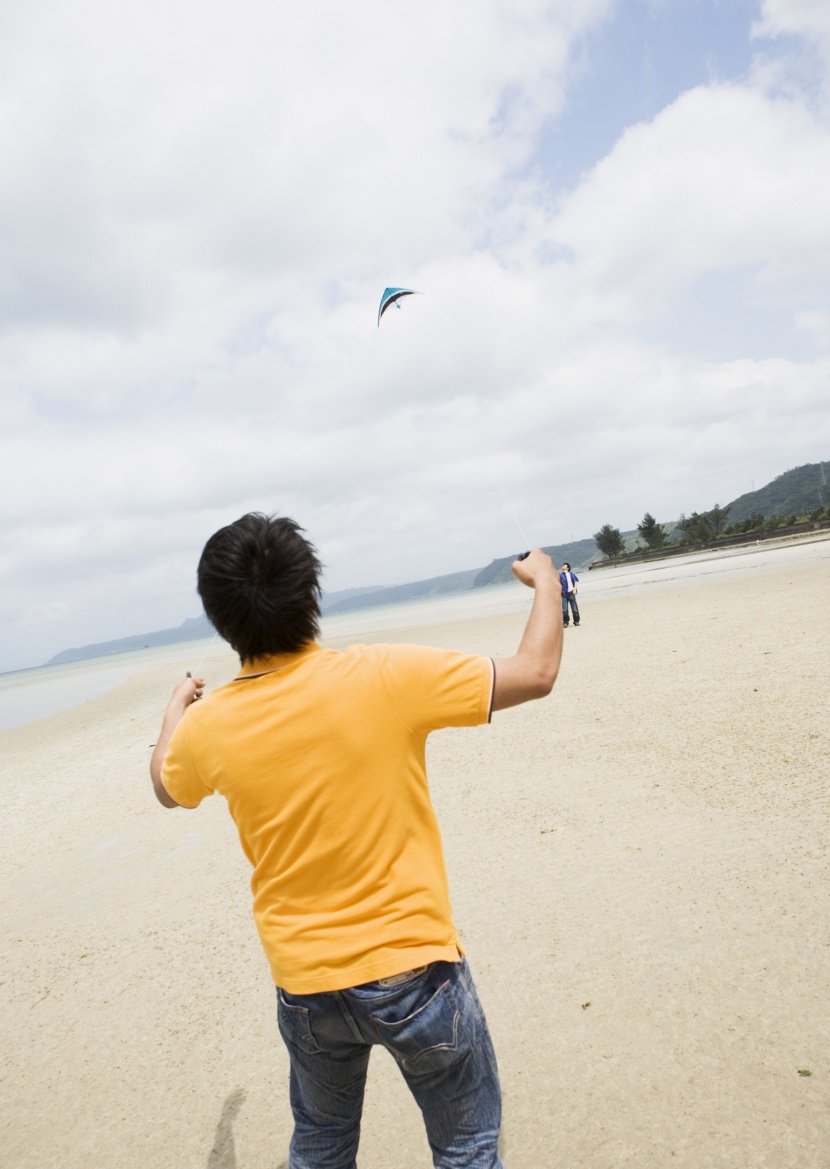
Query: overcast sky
[616, 211]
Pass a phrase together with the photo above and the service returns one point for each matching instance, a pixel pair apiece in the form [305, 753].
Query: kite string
[492, 473]
[524, 534]
[297, 489]
[393, 296]
[204, 655]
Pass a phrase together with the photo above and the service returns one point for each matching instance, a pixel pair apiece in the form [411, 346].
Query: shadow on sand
[223, 1153]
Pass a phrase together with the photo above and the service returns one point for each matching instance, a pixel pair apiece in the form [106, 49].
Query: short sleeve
[179, 774]
[432, 688]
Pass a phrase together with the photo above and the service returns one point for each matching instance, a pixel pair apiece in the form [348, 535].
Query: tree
[695, 528]
[701, 527]
[651, 531]
[717, 518]
[609, 541]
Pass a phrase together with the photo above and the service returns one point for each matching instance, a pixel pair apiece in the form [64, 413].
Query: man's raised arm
[532, 670]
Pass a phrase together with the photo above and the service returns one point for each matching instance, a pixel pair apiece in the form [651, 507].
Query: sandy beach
[639, 868]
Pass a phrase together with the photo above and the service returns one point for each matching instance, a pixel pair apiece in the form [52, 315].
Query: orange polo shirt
[322, 762]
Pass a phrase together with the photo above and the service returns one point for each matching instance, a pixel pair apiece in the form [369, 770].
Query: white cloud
[725, 178]
[807, 19]
[153, 145]
[815, 324]
[200, 207]
[793, 37]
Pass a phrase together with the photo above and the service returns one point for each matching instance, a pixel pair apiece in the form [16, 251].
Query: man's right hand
[532, 670]
[535, 565]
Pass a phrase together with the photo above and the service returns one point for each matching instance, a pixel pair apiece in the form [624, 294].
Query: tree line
[698, 528]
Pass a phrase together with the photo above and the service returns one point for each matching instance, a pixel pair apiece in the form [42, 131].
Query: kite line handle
[523, 555]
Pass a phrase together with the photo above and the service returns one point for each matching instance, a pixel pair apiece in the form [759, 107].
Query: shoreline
[415, 615]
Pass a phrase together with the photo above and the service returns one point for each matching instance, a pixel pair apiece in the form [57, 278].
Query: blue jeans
[566, 597]
[434, 1027]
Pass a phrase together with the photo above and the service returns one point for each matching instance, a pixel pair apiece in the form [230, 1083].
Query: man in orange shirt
[321, 757]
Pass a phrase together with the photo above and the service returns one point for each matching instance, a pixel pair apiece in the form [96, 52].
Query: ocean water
[30, 694]
[503, 598]
[26, 695]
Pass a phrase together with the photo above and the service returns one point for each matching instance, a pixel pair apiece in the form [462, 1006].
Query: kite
[392, 296]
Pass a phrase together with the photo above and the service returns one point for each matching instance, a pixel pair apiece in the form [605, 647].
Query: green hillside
[796, 492]
[456, 582]
[577, 554]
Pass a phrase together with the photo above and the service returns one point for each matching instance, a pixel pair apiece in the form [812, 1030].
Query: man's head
[259, 580]
[566, 567]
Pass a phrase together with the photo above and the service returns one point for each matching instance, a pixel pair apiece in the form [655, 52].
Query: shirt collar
[269, 663]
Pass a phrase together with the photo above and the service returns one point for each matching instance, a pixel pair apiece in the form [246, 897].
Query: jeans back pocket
[428, 1039]
[295, 1025]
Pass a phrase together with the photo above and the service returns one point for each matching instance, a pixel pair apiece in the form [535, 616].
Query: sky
[616, 213]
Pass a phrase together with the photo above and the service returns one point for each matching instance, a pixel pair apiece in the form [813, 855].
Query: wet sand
[639, 868]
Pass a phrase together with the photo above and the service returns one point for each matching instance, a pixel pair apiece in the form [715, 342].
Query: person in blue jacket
[569, 580]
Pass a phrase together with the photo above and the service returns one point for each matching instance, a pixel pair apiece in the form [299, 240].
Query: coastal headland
[640, 874]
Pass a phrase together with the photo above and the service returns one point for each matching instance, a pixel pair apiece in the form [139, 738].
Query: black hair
[259, 580]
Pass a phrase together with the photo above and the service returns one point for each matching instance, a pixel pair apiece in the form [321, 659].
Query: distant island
[798, 495]
[191, 629]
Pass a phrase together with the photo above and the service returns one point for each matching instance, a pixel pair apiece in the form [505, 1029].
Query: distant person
[569, 581]
[320, 755]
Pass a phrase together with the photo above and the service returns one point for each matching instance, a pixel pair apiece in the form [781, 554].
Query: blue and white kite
[392, 296]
